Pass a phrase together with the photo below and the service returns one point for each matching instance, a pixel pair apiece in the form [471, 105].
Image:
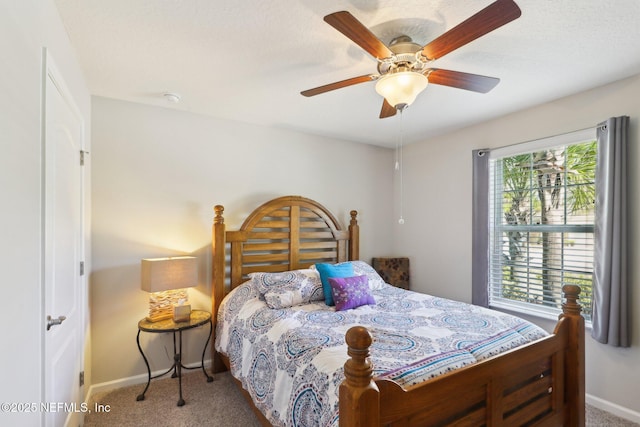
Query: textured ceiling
[248, 60]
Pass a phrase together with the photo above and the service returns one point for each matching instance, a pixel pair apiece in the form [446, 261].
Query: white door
[63, 243]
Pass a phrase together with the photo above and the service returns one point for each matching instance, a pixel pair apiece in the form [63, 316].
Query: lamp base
[161, 304]
[156, 317]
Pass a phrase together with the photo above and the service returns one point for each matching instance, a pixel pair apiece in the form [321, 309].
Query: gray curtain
[480, 229]
[611, 314]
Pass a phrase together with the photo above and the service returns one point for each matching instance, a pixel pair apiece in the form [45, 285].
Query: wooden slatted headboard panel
[284, 234]
[287, 233]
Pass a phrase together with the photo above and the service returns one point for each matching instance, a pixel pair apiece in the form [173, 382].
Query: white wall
[26, 27]
[437, 232]
[157, 173]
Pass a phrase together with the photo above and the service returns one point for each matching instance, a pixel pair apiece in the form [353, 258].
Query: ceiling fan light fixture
[401, 88]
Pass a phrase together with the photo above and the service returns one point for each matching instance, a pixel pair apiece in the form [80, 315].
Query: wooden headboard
[287, 233]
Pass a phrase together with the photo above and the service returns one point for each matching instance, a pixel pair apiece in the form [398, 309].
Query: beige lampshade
[401, 88]
[164, 274]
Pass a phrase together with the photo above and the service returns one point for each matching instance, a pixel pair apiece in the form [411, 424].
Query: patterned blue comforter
[291, 360]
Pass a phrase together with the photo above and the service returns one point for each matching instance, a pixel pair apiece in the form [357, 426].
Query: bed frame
[539, 384]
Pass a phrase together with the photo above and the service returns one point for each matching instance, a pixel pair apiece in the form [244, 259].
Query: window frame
[495, 216]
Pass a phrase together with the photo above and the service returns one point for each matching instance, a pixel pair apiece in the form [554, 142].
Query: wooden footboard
[539, 384]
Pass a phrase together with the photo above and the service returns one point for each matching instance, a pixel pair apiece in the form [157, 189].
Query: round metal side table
[198, 318]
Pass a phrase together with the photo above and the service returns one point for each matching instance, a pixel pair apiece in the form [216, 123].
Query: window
[541, 215]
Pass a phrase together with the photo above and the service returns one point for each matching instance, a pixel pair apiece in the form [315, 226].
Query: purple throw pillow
[351, 292]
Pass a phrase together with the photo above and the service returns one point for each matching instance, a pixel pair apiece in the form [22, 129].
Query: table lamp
[166, 280]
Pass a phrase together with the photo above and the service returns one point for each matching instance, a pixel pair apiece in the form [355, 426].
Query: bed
[536, 379]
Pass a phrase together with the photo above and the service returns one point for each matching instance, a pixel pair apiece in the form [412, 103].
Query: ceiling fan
[403, 66]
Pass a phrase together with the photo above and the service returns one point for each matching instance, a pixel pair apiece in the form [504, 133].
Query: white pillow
[362, 268]
[289, 288]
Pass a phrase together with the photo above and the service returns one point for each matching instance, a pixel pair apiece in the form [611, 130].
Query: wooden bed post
[359, 395]
[574, 360]
[218, 250]
[354, 237]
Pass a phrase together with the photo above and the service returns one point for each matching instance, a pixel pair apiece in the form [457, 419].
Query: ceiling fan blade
[338, 85]
[387, 110]
[488, 19]
[348, 25]
[457, 79]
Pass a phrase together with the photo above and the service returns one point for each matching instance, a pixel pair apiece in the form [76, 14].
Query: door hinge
[82, 154]
[82, 268]
[81, 378]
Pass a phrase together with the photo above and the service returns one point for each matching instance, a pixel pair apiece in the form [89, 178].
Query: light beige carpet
[217, 404]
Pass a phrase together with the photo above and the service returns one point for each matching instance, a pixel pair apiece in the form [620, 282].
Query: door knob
[53, 322]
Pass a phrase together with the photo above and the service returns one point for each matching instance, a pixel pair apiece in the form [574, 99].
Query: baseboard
[136, 379]
[617, 410]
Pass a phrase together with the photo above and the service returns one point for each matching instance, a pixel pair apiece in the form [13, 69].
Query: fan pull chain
[399, 165]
